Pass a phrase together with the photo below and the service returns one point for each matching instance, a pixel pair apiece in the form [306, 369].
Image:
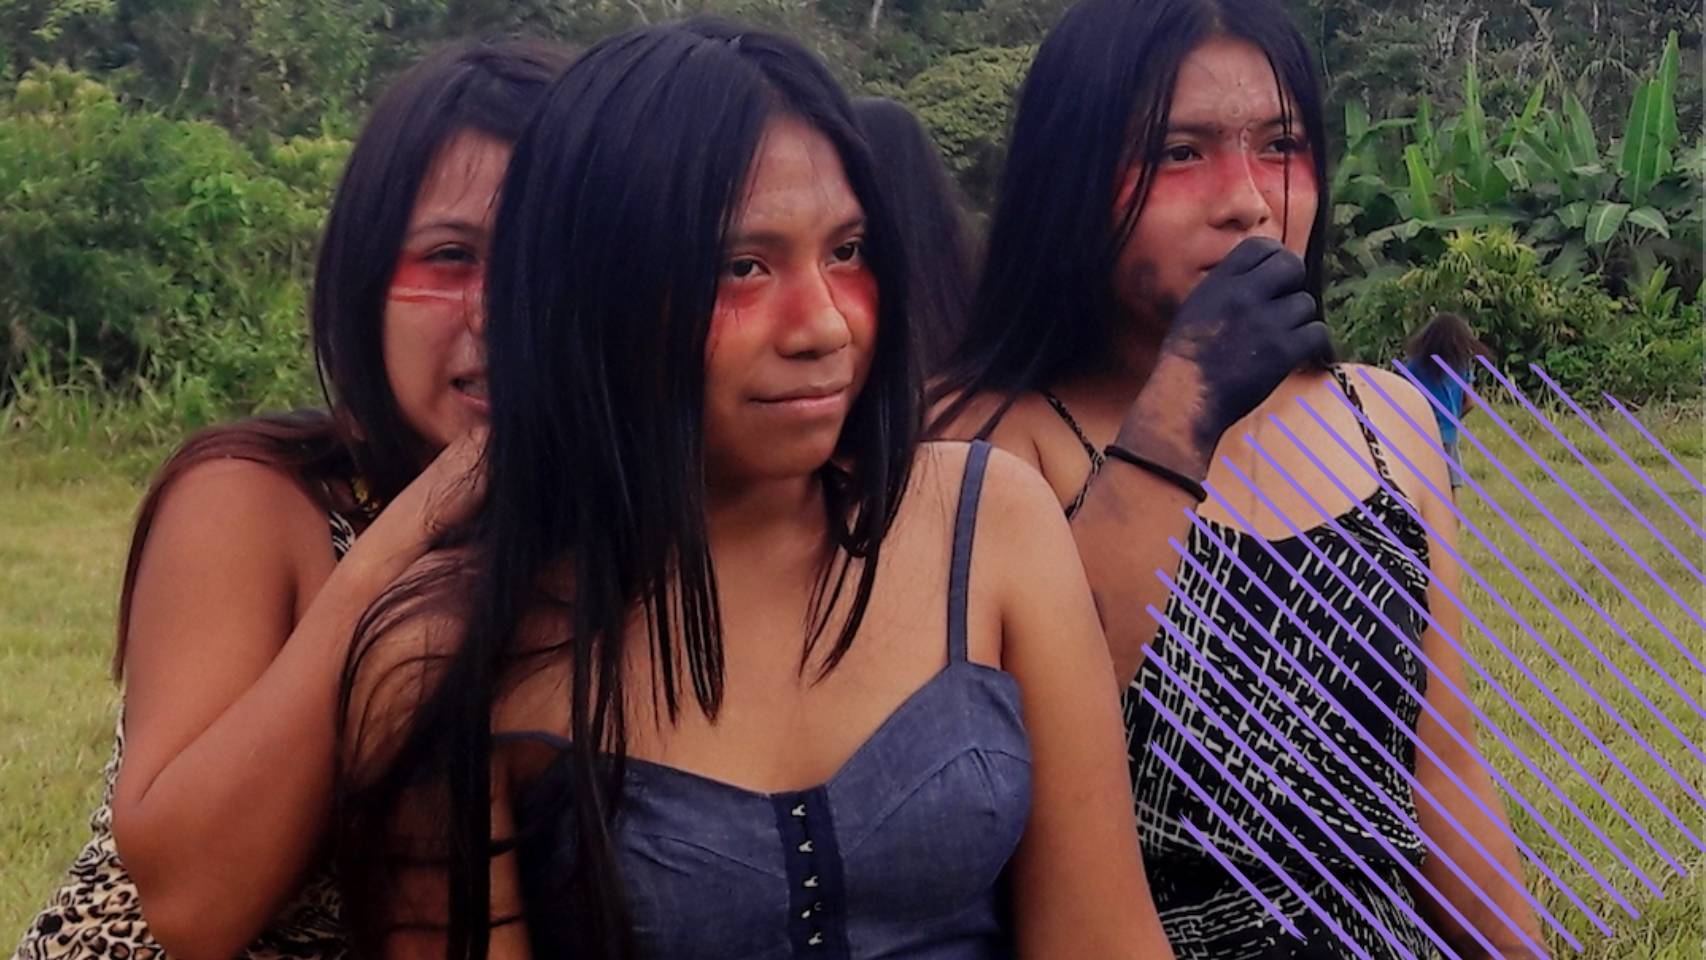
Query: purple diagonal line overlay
[1504, 693]
[1256, 848]
[1551, 561]
[1232, 868]
[1338, 797]
[1326, 873]
[1642, 430]
[1651, 485]
[1398, 765]
[1498, 597]
[1486, 721]
[1609, 486]
[1249, 844]
[1540, 685]
[1592, 557]
[1629, 683]
[1512, 389]
[1623, 456]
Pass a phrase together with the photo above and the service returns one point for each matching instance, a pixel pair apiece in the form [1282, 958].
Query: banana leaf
[1650, 131]
[1651, 219]
[1570, 263]
[1515, 171]
[1603, 221]
[1422, 183]
[1583, 145]
[1512, 134]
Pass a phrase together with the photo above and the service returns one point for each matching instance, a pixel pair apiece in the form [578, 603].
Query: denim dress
[900, 854]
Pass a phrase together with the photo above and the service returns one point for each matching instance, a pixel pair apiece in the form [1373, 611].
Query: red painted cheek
[428, 283]
[1183, 183]
[1273, 176]
[734, 308]
[1277, 180]
[855, 295]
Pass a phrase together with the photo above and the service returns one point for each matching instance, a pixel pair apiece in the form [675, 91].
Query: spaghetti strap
[1362, 423]
[1095, 455]
[959, 571]
[1090, 450]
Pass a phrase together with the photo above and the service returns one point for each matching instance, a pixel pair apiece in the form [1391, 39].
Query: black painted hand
[1246, 326]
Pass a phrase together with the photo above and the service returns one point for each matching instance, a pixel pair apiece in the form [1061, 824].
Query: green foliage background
[165, 166]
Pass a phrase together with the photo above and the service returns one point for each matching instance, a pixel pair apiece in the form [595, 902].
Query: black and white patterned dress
[1217, 672]
[96, 915]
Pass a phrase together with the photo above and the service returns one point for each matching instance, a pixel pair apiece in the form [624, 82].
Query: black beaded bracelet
[1178, 479]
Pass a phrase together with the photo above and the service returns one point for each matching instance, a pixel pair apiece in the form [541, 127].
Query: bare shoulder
[1019, 520]
[1386, 393]
[229, 560]
[1015, 428]
[1405, 422]
[240, 508]
[1014, 489]
[1009, 481]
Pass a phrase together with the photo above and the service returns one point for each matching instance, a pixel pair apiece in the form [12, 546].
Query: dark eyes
[452, 255]
[743, 268]
[1184, 153]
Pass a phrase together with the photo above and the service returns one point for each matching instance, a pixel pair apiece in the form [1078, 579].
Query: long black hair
[931, 213]
[608, 249]
[489, 87]
[1094, 105]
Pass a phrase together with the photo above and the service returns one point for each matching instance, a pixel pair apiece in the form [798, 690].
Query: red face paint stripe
[416, 282]
[428, 295]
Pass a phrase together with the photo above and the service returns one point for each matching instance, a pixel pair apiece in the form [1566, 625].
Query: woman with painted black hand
[729, 665]
[1148, 324]
[246, 576]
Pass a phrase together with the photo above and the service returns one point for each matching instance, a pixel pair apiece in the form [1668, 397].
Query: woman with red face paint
[1148, 322]
[246, 575]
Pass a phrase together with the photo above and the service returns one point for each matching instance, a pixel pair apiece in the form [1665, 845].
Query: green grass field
[65, 512]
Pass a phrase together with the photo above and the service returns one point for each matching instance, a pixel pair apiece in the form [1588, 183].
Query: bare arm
[1079, 888]
[223, 794]
[1488, 832]
[1129, 515]
[1241, 331]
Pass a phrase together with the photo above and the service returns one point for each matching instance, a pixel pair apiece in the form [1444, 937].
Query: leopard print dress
[95, 914]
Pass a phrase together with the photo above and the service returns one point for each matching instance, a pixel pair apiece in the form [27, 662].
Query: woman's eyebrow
[1214, 129]
[454, 224]
[778, 238]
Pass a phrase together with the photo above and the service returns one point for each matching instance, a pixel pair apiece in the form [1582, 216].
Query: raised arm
[1244, 328]
[1078, 885]
[223, 794]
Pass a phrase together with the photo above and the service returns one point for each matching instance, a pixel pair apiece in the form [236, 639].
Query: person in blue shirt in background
[1448, 337]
